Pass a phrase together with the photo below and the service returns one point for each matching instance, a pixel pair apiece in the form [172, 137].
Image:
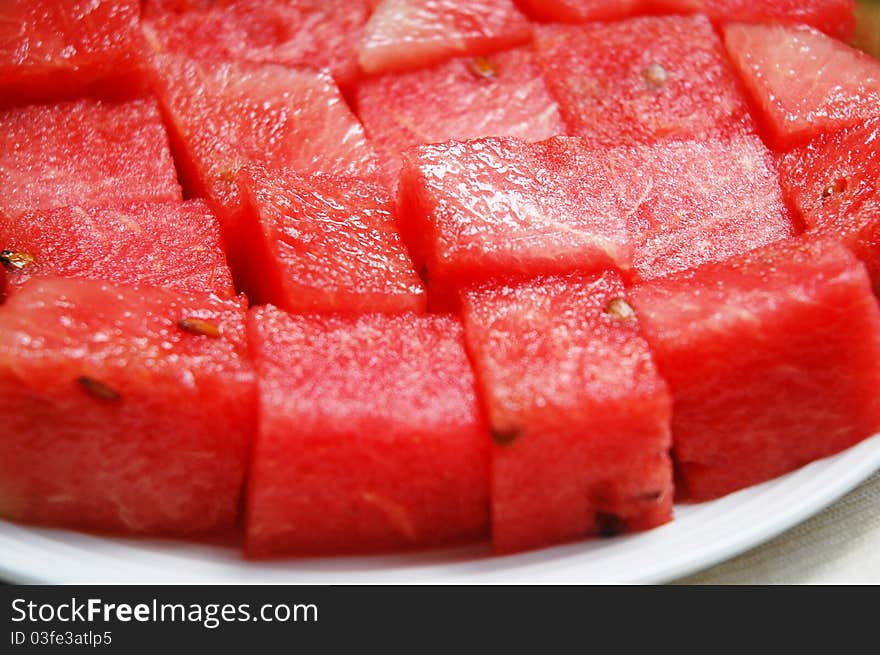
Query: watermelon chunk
[171, 245]
[499, 207]
[579, 11]
[465, 98]
[85, 152]
[834, 182]
[834, 17]
[578, 413]
[643, 79]
[804, 82]
[404, 34]
[61, 49]
[226, 115]
[370, 436]
[701, 201]
[329, 244]
[320, 35]
[773, 359]
[125, 410]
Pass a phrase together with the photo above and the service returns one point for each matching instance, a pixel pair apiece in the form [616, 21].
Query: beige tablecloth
[841, 545]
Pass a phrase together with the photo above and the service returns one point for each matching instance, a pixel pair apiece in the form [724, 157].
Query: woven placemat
[840, 545]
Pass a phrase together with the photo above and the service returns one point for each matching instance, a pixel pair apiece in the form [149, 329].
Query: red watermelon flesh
[60, 49]
[579, 11]
[85, 152]
[115, 417]
[465, 98]
[834, 17]
[329, 244]
[498, 207]
[642, 80]
[170, 245]
[578, 413]
[370, 437]
[773, 359]
[291, 32]
[702, 201]
[224, 116]
[834, 182]
[804, 82]
[404, 34]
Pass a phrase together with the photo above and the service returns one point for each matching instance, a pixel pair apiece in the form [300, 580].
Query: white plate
[700, 536]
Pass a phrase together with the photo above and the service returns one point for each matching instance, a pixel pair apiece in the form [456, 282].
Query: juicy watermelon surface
[57, 49]
[502, 94]
[798, 329]
[507, 270]
[577, 411]
[83, 152]
[319, 35]
[403, 34]
[834, 182]
[223, 116]
[370, 436]
[120, 420]
[328, 244]
[804, 82]
[642, 80]
[171, 245]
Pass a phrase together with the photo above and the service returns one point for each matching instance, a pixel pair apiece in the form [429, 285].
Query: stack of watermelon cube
[350, 277]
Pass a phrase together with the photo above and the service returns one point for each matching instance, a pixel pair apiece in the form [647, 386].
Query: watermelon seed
[609, 524]
[200, 327]
[98, 390]
[619, 308]
[16, 260]
[838, 186]
[505, 437]
[483, 68]
[655, 76]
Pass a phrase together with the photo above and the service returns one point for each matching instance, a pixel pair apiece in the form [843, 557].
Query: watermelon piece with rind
[802, 81]
[370, 437]
[170, 245]
[127, 410]
[579, 415]
[773, 360]
[86, 152]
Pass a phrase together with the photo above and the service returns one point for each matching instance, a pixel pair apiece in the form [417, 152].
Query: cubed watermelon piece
[225, 115]
[701, 201]
[61, 49]
[643, 79]
[86, 152]
[834, 182]
[773, 359]
[404, 34]
[500, 207]
[834, 17]
[579, 11]
[170, 245]
[319, 35]
[579, 416]
[370, 437]
[125, 410]
[803, 82]
[328, 244]
[465, 98]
